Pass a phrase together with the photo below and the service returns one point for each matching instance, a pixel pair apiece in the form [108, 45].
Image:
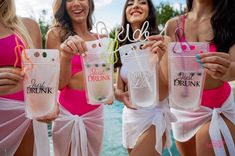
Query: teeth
[77, 12]
[136, 13]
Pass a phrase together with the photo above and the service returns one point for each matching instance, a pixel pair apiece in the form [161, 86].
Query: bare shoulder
[171, 26]
[53, 38]
[33, 30]
[54, 33]
[30, 24]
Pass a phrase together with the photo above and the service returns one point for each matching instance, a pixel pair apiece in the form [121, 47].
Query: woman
[18, 134]
[199, 132]
[145, 130]
[79, 128]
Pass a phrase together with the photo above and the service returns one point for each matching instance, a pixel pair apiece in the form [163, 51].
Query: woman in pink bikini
[79, 129]
[17, 133]
[211, 129]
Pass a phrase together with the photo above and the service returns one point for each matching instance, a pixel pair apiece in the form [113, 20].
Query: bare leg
[205, 145]
[187, 148]
[27, 144]
[145, 145]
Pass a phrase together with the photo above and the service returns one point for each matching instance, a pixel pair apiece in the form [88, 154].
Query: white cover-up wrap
[189, 122]
[13, 126]
[136, 122]
[83, 134]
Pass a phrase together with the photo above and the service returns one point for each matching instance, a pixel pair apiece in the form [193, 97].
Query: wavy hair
[152, 29]
[14, 23]
[63, 21]
[152, 19]
[222, 22]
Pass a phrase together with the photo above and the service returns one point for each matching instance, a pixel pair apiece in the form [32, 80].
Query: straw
[18, 52]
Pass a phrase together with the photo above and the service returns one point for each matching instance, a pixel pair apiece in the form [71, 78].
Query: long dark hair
[222, 22]
[153, 26]
[63, 20]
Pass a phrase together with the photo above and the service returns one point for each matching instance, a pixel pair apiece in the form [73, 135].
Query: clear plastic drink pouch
[142, 74]
[42, 68]
[98, 71]
[186, 76]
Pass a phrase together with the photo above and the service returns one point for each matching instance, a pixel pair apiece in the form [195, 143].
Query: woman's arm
[53, 42]
[120, 91]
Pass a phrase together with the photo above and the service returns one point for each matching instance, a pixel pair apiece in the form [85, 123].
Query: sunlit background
[108, 11]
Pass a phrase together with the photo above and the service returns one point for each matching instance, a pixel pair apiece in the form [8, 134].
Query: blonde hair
[10, 20]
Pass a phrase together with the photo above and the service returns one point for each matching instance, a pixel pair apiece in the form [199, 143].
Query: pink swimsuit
[75, 100]
[7, 56]
[212, 98]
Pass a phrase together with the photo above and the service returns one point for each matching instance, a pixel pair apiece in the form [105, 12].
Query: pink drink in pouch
[41, 82]
[98, 71]
[186, 75]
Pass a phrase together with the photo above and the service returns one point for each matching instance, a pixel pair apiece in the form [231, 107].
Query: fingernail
[198, 60]
[200, 63]
[198, 56]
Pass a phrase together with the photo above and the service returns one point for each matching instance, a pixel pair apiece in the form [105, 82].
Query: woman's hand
[157, 45]
[73, 45]
[11, 80]
[124, 97]
[216, 64]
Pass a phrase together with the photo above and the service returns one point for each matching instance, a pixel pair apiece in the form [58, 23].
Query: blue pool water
[113, 132]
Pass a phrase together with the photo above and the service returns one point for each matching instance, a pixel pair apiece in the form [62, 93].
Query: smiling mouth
[77, 11]
[136, 13]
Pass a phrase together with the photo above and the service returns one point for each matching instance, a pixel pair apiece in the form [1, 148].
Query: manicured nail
[198, 56]
[198, 60]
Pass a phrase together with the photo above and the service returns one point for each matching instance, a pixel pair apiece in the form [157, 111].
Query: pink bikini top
[212, 98]
[75, 100]
[7, 50]
[8, 58]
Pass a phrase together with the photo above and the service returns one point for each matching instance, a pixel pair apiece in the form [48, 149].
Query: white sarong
[136, 122]
[82, 135]
[13, 126]
[189, 122]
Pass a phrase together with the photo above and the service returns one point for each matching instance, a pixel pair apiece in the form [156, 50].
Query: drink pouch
[186, 76]
[98, 71]
[41, 81]
[142, 74]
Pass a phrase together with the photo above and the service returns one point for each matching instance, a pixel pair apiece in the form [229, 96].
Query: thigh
[95, 139]
[203, 142]
[27, 145]
[146, 144]
[187, 148]
[205, 145]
